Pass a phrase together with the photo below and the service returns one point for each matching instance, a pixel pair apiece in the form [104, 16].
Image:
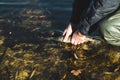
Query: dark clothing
[88, 12]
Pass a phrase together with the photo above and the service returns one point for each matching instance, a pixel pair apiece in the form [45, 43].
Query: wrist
[74, 26]
[79, 33]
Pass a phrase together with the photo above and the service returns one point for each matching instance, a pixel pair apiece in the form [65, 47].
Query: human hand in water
[77, 38]
[67, 32]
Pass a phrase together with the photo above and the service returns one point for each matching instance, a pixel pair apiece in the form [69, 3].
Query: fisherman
[94, 18]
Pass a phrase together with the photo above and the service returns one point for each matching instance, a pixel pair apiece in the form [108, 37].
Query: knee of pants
[111, 32]
[106, 28]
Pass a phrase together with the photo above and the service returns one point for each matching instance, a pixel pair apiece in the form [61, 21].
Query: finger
[64, 33]
[72, 41]
[79, 42]
[66, 37]
[75, 42]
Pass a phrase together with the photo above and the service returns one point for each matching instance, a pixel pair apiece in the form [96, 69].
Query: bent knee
[106, 27]
[111, 32]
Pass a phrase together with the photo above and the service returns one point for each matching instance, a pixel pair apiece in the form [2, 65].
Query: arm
[78, 8]
[100, 9]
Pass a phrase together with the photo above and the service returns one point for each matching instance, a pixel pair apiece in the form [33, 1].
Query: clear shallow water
[23, 26]
[58, 12]
[25, 23]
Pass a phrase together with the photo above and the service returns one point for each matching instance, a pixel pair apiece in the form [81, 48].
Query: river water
[23, 26]
[56, 12]
[27, 54]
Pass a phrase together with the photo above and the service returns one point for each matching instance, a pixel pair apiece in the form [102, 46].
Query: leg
[110, 29]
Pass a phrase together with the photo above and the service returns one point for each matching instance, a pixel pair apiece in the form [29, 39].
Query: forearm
[77, 10]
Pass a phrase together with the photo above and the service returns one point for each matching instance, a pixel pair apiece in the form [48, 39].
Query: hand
[67, 32]
[77, 38]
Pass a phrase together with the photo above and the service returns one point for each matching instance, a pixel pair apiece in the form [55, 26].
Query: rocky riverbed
[26, 53]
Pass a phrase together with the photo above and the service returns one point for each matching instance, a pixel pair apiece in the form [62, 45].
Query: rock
[1, 40]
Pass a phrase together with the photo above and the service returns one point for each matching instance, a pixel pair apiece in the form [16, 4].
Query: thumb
[66, 37]
[64, 33]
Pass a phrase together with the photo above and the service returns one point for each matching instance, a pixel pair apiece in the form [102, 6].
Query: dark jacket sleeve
[98, 10]
[78, 8]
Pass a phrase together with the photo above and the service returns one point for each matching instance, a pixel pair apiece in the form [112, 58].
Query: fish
[60, 39]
